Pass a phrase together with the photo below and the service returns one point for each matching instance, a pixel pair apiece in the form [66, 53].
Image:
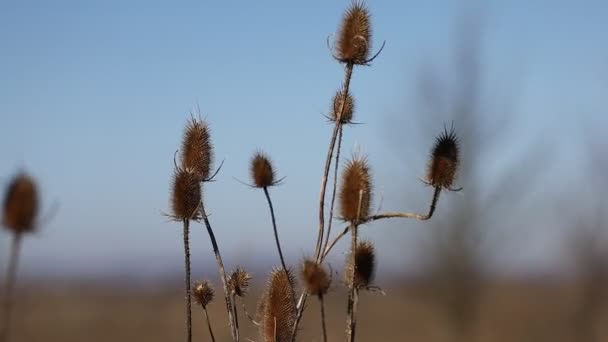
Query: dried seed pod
[197, 149]
[315, 278]
[262, 172]
[347, 111]
[355, 37]
[203, 293]
[20, 204]
[186, 196]
[444, 160]
[239, 282]
[278, 309]
[355, 179]
[365, 264]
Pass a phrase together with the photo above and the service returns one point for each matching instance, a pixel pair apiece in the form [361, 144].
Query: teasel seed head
[239, 282]
[365, 264]
[20, 207]
[356, 185]
[347, 112]
[186, 195]
[262, 172]
[277, 309]
[355, 37]
[203, 293]
[197, 149]
[444, 160]
[315, 278]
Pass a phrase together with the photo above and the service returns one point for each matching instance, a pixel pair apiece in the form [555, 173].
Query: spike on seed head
[355, 179]
[444, 160]
[315, 278]
[262, 172]
[347, 111]
[365, 264]
[355, 36]
[20, 205]
[197, 149]
[277, 308]
[186, 195]
[203, 293]
[239, 282]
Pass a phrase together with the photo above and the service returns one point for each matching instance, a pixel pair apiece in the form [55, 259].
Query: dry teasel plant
[316, 282]
[203, 295]
[19, 216]
[238, 284]
[277, 307]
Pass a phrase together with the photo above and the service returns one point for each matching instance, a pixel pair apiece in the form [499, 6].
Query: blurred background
[94, 98]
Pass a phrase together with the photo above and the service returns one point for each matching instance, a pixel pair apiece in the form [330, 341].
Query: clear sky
[94, 97]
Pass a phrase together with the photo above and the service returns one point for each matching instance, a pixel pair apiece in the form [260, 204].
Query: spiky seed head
[444, 160]
[262, 172]
[355, 37]
[197, 149]
[347, 111]
[239, 282]
[365, 264]
[278, 310]
[186, 195]
[355, 179]
[315, 278]
[20, 204]
[203, 293]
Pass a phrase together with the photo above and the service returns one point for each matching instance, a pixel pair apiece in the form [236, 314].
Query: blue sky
[94, 97]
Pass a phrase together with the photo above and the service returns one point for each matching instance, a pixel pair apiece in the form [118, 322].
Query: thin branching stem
[323, 324]
[220, 265]
[333, 195]
[301, 305]
[332, 144]
[276, 233]
[209, 324]
[11, 278]
[187, 279]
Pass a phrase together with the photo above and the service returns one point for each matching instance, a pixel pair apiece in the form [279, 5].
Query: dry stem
[11, 277]
[353, 297]
[324, 327]
[209, 324]
[276, 233]
[333, 195]
[220, 265]
[187, 280]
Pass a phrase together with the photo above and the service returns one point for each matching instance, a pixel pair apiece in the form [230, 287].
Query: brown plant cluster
[356, 191]
[186, 196]
[364, 267]
[197, 150]
[20, 206]
[277, 309]
[315, 278]
[355, 36]
[343, 110]
[262, 172]
[238, 282]
[203, 293]
[444, 160]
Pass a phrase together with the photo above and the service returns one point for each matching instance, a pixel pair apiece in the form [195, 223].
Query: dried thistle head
[20, 206]
[203, 293]
[186, 195]
[355, 37]
[365, 264]
[262, 172]
[315, 278]
[347, 111]
[197, 149]
[444, 160]
[277, 309]
[356, 187]
[238, 282]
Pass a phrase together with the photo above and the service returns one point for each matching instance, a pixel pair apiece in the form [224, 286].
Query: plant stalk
[333, 195]
[276, 233]
[209, 325]
[11, 278]
[323, 324]
[187, 280]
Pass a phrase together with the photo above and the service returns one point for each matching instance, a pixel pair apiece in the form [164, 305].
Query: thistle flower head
[364, 267]
[355, 37]
[203, 293]
[186, 195]
[262, 172]
[197, 149]
[238, 282]
[347, 111]
[444, 160]
[278, 310]
[315, 278]
[20, 205]
[356, 191]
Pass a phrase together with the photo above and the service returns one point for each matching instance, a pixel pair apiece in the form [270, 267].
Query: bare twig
[276, 233]
[324, 327]
[187, 280]
[11, 277]
[209, 324]
[333, 195]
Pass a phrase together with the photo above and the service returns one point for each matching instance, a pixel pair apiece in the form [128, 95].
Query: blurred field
[508, 311]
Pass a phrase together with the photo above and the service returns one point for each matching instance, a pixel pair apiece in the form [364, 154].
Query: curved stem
[220, 265]
[209, 325]
[11, 278]
[332, 144]
[323, 326]
[333, 195]
[274, 227]
[187, 280]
